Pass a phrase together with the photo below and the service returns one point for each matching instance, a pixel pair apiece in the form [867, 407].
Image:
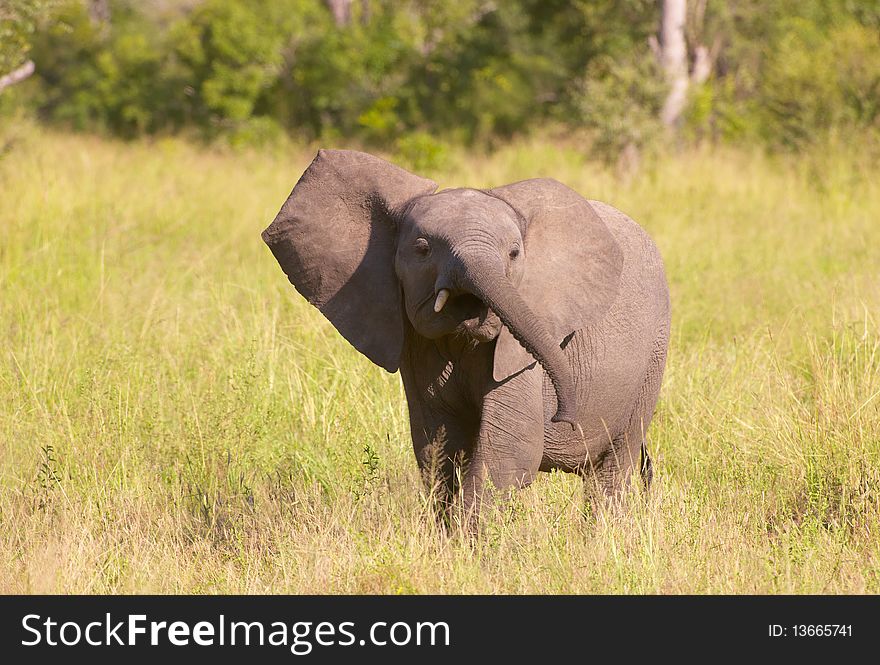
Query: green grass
[174, 418]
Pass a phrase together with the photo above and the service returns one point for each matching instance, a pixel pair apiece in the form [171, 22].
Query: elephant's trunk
[494, 288]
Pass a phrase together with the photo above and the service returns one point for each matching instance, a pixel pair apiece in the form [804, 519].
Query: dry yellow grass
[174, 418]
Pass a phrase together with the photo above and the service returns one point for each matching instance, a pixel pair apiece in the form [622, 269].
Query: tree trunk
[99, 11]
[673, 59]
[17, 75]
[341, 10]
[702, 65]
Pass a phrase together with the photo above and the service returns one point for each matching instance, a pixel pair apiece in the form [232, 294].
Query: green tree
[228, 54]
[96, 77]
[18, 23]
[414, 74]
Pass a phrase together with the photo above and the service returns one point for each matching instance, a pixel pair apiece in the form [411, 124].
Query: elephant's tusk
[442, 297]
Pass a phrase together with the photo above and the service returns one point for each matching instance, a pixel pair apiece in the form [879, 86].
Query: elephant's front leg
[510, 442]
[442, 447]
[443, 428]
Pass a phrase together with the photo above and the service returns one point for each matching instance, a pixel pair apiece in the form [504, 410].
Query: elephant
[530, 325]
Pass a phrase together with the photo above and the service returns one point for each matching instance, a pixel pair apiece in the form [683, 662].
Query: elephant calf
[530, 325]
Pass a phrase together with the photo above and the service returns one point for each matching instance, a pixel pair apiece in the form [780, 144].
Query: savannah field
[174, 418]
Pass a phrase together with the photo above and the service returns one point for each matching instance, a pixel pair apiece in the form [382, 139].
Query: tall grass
[174, 418]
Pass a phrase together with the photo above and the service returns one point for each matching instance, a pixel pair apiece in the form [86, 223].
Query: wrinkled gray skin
[549, 350]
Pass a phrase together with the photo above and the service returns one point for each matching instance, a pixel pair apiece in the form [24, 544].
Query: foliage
[821, 80]
[621, 101]
[791, 71]
[344, 81]
[100, 78]
[784, 72]
[421, 152]
[227, 58]
[18, 22]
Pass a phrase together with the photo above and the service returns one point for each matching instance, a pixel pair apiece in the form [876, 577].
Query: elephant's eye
[514, 252]
[422, 247]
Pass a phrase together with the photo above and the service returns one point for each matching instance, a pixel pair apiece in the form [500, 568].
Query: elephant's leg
[646, 468]
[628, 451]
[510, 442]
[441, 452]
[648, 403]
[609, 477]
[442, 426]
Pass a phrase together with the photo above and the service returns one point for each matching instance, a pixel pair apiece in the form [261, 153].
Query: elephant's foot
[608, 482]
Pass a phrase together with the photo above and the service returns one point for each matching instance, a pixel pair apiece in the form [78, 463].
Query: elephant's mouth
[477, 320]
[466, 306]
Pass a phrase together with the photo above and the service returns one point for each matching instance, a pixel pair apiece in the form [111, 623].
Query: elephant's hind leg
[608, 478]
[612, 473]
[646, 468]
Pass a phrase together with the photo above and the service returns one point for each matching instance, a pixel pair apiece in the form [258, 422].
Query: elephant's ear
[335, 239]
[572, 265]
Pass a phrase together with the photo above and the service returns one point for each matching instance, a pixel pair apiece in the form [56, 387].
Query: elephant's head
[368, 243]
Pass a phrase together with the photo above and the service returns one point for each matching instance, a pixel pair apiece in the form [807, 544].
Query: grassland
[174, 418]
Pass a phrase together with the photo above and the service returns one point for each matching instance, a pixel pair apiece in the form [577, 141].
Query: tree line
[415, 74]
